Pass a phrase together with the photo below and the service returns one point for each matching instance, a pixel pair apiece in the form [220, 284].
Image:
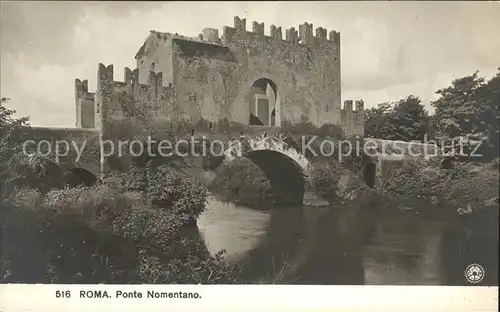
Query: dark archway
[369, 174]
[78, 176]
[284, 174]
[264, 103]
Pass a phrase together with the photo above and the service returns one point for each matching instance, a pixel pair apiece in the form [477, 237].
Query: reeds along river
[348, 245]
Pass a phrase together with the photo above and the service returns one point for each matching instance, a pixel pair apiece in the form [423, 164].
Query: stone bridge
[288, 170]
[75, 150]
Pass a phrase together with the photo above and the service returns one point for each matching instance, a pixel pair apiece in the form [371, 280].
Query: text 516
[63, 294]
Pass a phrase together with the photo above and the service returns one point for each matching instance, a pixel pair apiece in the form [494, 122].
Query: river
[345, 245]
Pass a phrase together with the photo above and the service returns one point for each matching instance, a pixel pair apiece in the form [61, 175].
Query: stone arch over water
[264, 103]
[285, 168]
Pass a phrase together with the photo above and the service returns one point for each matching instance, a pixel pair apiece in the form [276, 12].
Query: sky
[389, 50]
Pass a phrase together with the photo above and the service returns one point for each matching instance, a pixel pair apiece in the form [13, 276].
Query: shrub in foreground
[99, 235]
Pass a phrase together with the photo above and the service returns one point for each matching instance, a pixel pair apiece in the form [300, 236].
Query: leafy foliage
[466, 109]
[469, 108]
[405, 120]
[457, 186]
[175, 192]
[11, 139]
[325, 177]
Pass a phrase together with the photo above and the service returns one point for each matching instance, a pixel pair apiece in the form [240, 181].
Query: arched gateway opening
[264, 103]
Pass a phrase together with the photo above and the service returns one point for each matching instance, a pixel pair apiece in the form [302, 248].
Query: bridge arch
[79, 176]
[80, 173]
[285, 168]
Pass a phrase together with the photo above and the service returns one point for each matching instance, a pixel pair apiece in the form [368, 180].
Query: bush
[414, 178]
[325, 177]
[163, 187]
[176, 193]
[100, 235]
[458, 185]
[66, 238]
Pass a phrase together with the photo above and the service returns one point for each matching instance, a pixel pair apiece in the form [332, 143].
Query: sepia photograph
[237, 143]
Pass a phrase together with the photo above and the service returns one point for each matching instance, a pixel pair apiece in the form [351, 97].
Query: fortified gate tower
[241, 76]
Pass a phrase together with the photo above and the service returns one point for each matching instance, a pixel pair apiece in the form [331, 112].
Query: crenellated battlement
[276, 32]
[258, 29]
[352, 120]
[334, 36]
[321, 33]
[82, 90]
[304, 34]
[360, 105]
[91, 106]
[292, 36]
[105, 75]
[240, 24]
[131, 77]
[84, 101]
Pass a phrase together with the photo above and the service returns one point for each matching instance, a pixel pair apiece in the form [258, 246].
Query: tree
[405, 120]
[489, 118]
[10, 139]
[457, 109]
[11, 130]
[469, 109]
[376, 121]
[409, 119]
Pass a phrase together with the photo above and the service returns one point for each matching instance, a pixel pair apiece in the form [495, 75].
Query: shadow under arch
[79, 176]
[264, 103]
[284, 174]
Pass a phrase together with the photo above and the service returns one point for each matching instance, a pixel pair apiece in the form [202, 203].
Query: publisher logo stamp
[474, 273]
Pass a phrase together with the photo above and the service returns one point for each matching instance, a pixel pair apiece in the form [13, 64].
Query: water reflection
[344, 245]
[234, 228]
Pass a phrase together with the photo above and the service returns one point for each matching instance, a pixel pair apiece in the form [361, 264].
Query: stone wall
[63, 146]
